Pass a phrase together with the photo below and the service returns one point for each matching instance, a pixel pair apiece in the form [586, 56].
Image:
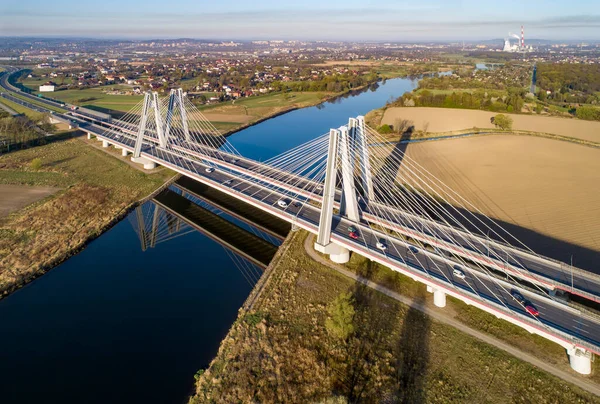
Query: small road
[448, 320]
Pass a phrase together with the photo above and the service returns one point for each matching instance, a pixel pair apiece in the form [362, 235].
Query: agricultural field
[546, 191]
[451, 119]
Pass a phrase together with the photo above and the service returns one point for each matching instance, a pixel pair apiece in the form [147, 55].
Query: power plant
[518, 45]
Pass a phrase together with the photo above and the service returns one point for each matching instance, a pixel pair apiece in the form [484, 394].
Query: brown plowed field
[547, 186]
[450, 119]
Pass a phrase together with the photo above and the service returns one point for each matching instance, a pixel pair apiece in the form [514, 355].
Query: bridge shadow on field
[375, 321]
[412, 354]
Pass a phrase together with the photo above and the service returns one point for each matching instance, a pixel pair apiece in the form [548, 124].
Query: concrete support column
[105, 143]
[89, 135]
[439, 297]
[337, 253]
[124, 152]
[148, 165]
[580, 360]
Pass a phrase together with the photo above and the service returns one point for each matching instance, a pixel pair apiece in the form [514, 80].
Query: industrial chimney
[522, 38]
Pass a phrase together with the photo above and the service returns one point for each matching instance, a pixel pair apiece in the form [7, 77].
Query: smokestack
[522, 38]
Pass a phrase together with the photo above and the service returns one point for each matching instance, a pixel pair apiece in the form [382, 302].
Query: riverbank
[97, 191]
[282, 349]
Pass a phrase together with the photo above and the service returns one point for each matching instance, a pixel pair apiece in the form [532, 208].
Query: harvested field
[15, 197]
[539, 184]
[450, 119]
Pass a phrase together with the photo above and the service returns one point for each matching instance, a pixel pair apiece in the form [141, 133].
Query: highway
[555, 318]
[557, 321]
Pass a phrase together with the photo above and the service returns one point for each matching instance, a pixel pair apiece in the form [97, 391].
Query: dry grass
[281, 351]
[543, 185]
[97, 189]
[450, 119]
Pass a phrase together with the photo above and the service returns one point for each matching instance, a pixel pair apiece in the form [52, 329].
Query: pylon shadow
[412, 355]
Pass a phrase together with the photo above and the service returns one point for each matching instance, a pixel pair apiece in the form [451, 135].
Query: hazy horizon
[350, 20]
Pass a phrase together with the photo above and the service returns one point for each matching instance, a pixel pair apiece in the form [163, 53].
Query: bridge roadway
[521, 264]
[557, 322]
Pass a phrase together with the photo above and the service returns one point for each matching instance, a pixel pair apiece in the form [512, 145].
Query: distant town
[213, 71]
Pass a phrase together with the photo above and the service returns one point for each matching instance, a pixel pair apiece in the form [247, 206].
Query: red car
[532, 310]
[353, 235]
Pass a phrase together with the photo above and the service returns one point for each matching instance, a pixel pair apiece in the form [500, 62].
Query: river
[114, 324]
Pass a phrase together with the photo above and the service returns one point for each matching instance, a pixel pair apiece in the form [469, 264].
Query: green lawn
[93, 98]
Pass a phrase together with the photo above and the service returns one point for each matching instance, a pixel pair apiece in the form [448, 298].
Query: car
[532, 310]
[457, 271]
[297, 204]
[517, 296]
[233, 161]
[381, 245]
[413, 249]
[209, 169]
[282, 203]
[228, 182]
[353, 235]
[351, 228]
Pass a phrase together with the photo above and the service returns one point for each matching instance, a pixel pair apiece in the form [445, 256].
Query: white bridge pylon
[348, 153]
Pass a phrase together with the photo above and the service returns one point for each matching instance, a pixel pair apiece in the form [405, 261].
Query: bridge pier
[105, 143]
[89, 135]
[148, 165]
[580, 360]
[124, 152]
[439, 297]
[337, 253]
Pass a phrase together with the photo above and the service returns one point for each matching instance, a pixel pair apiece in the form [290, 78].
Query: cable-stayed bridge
[358, 193]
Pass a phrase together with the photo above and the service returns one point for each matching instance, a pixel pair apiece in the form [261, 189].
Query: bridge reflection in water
[250, 238]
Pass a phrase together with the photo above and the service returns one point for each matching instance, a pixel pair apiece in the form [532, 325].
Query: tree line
[513, 101]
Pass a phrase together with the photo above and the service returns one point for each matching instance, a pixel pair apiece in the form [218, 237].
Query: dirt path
[443, 318]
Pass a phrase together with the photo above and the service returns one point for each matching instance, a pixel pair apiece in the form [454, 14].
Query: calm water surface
[114, 324]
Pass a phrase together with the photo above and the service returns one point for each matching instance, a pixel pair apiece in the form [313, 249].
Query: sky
[351, 20]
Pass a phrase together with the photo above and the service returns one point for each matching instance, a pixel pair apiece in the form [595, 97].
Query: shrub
[502, 121]
[385, 129]
[36, 164]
